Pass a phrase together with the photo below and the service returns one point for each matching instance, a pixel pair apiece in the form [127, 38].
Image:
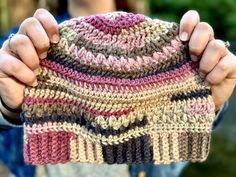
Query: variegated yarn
[117, 88]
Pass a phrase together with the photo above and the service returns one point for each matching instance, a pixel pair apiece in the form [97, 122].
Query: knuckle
[195, 49]
[35, 64]
[203, 70]
[205, 28]
[52, 29]
[19, 40]
[216, 44]
[29, 22]
[44, 45]
[211, 79]
[223, 66]
[204, 25]
[12, 66]
[31, 78]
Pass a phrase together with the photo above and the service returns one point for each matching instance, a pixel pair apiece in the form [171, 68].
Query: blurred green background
[221, 15]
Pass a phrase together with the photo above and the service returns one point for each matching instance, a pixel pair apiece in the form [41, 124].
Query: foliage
[221, 161]
[221, 14]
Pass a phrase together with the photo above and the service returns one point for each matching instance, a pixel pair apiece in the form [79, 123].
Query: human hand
[19, 56]
[217, 64]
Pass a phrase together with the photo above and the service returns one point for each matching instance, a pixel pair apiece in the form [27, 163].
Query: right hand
[19, 63]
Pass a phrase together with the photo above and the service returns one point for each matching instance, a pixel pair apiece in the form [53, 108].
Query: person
[19, 68]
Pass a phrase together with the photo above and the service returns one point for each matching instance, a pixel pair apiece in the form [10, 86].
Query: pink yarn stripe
[108, 26]
[33, 149]
[56, 147]
[115, 26]
[27, 156]
[200, 108]
[133, 88]
[125, 42]
[121, 64]
[186, 69]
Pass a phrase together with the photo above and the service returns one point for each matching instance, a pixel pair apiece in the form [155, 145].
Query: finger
[11, 66]
[224, 69]
[34, 30]
[187, 24]
[201, 35]
[49, 24]
[214, 51]
[222, 92]
[19, 44]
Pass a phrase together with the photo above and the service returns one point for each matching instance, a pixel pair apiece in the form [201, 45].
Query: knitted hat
[117, 88]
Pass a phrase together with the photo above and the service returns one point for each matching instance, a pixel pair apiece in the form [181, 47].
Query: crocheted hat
[117, 88]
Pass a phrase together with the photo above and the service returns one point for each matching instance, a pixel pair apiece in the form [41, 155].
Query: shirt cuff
[4, 123]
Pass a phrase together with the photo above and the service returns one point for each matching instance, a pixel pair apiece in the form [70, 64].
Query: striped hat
[117, 88]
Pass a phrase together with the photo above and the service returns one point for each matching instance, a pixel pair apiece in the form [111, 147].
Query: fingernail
[55, 39]
[35, 83]
[184, 36]
[43, 55]
[194, 58]
[202, 75]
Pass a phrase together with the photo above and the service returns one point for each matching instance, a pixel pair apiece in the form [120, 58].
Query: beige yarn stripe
[175, 146]
[73, 150]
[165, 146]
[90, 152]
[85, 151]
[98, 153]
[156, 151]
[82, 150]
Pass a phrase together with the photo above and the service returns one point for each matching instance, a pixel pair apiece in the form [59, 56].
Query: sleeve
[5, 37]
[9, 117]
[4, 123]
[220, 114]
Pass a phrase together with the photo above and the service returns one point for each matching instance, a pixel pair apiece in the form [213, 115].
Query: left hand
[217, 63]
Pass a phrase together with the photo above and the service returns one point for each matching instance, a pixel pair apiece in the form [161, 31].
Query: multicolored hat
[117, 88]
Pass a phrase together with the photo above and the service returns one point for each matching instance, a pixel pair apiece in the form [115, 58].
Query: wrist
[11, 115]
